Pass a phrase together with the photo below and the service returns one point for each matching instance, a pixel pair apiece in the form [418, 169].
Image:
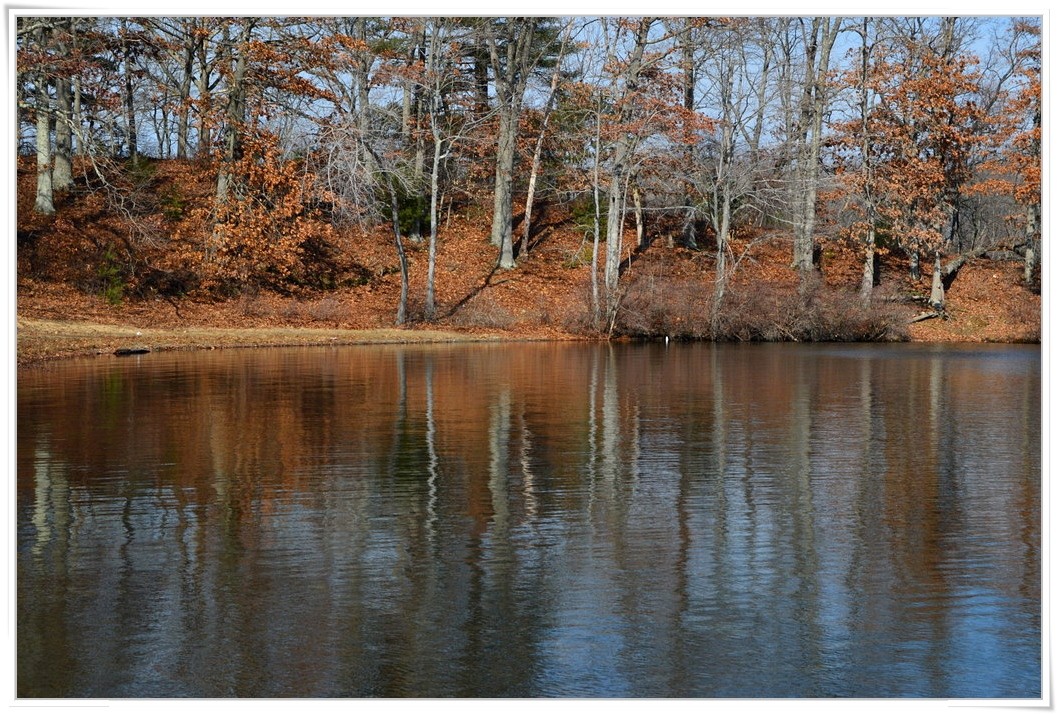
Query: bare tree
[513, 50]
[439, 80]
[725, 177]
[818, 36]
[537, 153]
[36, 34]
[623, 148]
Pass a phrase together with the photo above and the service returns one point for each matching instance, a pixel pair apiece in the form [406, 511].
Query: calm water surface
[532, 520]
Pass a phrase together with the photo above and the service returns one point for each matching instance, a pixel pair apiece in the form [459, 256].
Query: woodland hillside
[696, 178]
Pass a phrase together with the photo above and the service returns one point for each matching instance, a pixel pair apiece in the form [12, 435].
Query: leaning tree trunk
[537, 153]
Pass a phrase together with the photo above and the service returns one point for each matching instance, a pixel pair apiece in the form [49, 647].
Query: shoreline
[42, 341]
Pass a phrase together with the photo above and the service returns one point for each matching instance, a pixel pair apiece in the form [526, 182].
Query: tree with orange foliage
[1014, 166]
[916, 142]
[262, 228]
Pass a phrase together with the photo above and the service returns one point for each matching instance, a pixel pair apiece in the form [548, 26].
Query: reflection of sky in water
[977, 653]
[583, 650]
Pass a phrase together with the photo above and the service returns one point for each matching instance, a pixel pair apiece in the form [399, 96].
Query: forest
[718, 178]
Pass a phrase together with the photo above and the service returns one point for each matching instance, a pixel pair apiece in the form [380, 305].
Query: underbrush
[483, 312]
[683, 309]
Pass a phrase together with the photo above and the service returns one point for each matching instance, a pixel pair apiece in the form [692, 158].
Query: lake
[532, 520]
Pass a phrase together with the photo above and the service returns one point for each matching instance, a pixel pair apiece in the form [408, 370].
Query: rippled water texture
[532, 520]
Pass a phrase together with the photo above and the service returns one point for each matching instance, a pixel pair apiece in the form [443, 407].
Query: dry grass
[42, 340]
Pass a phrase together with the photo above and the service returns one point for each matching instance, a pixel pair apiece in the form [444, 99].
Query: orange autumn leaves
[908, 157]
[928, 132]
[262, 227]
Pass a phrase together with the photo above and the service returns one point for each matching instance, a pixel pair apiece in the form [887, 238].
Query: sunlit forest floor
[63, 308]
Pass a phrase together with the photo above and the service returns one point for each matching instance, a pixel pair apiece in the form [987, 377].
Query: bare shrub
[293, 310]
[1026, 315]
[656, 306]
[813, 314]
[326, 310]
[661, 306]
[483, 311]
[253, 305]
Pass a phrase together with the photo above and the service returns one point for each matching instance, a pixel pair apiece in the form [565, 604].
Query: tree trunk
[537, 153]
[401, 309]
[62, 176]
[614, 237]
[1031, 258]
[596, 314]
[869, 276]
[688, 67]
[44, 202]
[720, 291]
[869, 266]
[205, 128]
[640, 220]
[502, 216]
[412, 125]
[76, 117]
[622, 156]
[511, 78]
[131, 133]
[482, 104]
[62, 166]
[530, 197]
[813, 107]
[183, 122]
[937, 298]
[1031, 263]
[434, 190]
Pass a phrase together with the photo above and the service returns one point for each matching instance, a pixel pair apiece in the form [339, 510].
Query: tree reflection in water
[531, 520]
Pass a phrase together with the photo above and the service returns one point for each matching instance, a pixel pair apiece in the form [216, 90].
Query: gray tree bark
[131, 133]
[511, 78]
[44, 202]
[235, 112]
[62, 170]
[814, 100]
[62, 176]
[537, 153]
[620, 173]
